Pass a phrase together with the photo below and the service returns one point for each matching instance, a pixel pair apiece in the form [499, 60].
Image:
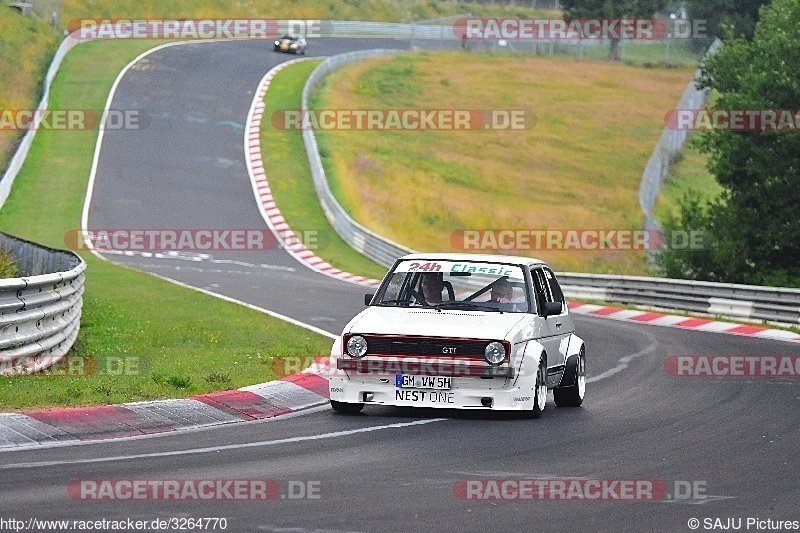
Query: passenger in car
[502, 291]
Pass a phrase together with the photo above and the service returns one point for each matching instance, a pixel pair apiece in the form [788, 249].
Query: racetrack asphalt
[392, 469]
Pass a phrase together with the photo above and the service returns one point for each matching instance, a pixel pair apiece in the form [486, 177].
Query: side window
[555, 288]
[540, 287]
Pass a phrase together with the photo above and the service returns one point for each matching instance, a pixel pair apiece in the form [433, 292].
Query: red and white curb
[266, 203]
[74, 425]
[308, 389]
[682, 322]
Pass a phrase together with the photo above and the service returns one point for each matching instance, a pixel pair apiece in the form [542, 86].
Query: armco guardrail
[667, 148]
[379, 249]
[15, 165]
[725, 299]
[40, 311]
[774, 304]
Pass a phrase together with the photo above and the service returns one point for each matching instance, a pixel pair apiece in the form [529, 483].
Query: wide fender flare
[529, 364]
[336, 349]
[336, 354]
[574, 349]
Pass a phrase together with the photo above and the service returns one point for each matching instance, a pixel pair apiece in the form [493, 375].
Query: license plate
[422, 382]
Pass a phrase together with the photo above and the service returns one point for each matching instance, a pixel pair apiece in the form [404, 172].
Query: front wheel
[347, 408]
[572, 396]
[539, 391]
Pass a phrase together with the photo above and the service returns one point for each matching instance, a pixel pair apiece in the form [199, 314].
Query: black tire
[347, 408]
[572, 395]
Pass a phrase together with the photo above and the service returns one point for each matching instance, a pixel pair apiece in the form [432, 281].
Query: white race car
[461, 331]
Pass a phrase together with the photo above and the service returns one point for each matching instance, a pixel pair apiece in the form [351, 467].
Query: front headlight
[277, 43]
[494, 353]
[357, 346]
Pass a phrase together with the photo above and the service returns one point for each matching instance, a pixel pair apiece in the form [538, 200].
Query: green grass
[26, 47]
[648, 55]
[7, 267]
[174, 341]
[375, 10]
[590, 128]
[687, 176]
[289, 177]
[27, 44]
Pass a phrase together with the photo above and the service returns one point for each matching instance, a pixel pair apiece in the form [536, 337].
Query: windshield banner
[461, 268]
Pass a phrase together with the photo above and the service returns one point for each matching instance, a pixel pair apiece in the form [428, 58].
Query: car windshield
[464, 285]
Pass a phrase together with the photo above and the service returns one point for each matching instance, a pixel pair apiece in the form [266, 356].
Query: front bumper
[466, 393]
[427, 366]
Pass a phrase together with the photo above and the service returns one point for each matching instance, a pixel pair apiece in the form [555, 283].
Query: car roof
[485, 258]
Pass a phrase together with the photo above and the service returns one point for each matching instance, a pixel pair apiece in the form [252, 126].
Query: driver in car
[432, 286]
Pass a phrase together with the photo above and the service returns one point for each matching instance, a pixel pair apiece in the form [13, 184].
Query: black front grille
[430, 346]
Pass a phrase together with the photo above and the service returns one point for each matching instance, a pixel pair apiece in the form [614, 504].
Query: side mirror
[368, 298]
[551, 308]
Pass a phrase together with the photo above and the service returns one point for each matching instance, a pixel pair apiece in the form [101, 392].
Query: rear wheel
[572, 396]
[347, 408]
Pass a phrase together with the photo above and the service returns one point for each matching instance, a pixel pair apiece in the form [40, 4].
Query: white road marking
[622, 363]
[211, 449]
[196, 258]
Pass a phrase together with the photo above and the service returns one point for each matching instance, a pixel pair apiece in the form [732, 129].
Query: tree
[756, 221]
[612, 9]
[740, 15]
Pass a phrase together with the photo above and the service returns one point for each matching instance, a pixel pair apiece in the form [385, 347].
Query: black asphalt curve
[186, 170]
[646, 452]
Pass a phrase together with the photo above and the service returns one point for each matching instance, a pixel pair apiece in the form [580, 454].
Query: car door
[555, 329]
